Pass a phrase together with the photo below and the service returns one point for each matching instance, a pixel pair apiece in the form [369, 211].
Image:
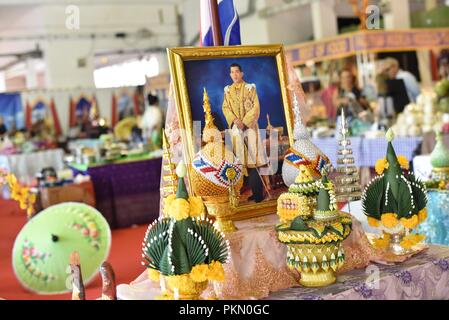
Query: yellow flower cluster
[411, 222]
[422, 215]
[382, 242]
[411, 240]
[203, 272]
[373, 222]
[390, 220]
[197, 208]
[181, 209]
[153, 274]
[403, 162]
[382, 164]
[22, 194]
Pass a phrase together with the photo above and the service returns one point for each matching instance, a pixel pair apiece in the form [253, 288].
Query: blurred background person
[348, 98]
[393, 70]
[152, 120]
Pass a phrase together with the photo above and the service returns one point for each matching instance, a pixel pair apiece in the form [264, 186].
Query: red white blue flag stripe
[229, 23]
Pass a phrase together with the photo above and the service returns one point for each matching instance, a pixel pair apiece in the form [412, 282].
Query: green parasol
[42, 249]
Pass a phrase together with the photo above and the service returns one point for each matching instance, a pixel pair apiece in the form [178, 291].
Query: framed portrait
[251, 79]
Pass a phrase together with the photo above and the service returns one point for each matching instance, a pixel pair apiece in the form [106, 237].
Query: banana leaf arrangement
[184, 246]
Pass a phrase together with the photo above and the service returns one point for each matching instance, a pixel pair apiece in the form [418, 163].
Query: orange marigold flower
[403, 162]
[373, 222]
[422, 215]
[389, 220]
[411, 222]
[381, 165]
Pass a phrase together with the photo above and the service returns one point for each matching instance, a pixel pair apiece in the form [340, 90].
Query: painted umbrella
[42, 249]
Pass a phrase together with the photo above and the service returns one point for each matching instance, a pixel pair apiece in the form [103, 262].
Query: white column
[31, 73]
[399, 15]
[2, 81]
[424, 65]
[324, 19]
[70, 63]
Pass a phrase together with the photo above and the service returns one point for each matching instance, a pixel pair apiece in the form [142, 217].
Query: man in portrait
[241, 109]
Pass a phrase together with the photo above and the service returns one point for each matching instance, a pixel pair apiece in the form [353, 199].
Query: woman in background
[349, 98]
[152, 121]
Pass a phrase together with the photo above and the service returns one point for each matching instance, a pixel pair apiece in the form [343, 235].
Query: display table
[423, 277]
[126, 193]
[257, 266]
[436, 226]
[368, 151]
[257, 270]
[25, 165]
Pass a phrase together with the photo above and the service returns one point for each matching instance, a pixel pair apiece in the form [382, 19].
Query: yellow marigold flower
[417, 238]
[373, 222]
[179, 209]
[422, 215]
[383, 242]
[11, 179]
[381, 165]
[153, 274]
[442, 185]
[32, 198]
[30, 211]
[389, 220]
[22, 205]
[403, 162]
[411, 222]
[406, 244]
[199, 272]
[216, 271]
[167, 202]
[196, 206]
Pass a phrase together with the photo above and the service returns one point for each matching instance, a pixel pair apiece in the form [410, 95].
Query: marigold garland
[216, 271]
[411, 222]
[199, 272]
[422, 215]
[411, 240]
[389, 220]
[382, 242]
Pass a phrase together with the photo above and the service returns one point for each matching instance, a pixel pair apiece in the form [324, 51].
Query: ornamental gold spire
[348, 181]
[169, 177]
[209, 119]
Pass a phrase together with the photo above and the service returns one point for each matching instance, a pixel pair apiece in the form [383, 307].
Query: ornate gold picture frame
[187, 60]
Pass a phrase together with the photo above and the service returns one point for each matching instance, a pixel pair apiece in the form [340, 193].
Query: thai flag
[229, 23]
